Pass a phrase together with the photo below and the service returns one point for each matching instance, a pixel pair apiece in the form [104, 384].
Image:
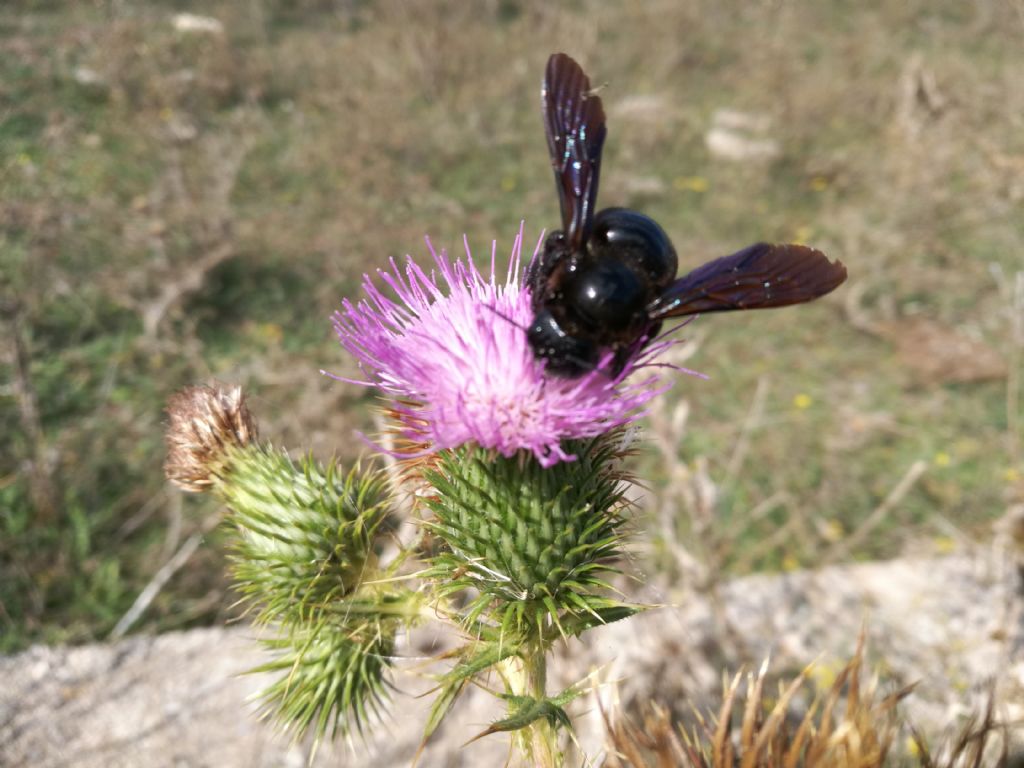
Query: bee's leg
[624, 354]
[622, 357]
[651, 334]
[543, 265]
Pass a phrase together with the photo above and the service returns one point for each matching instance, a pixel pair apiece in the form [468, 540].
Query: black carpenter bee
[605, 282]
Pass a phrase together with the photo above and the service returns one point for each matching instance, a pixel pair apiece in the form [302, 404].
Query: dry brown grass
[852, 725]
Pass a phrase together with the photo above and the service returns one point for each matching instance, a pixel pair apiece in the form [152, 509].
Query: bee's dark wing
[574, 121]
[759, 276]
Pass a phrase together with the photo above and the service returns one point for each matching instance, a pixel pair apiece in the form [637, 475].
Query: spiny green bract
[332, 677]
[305, 533]
[304, 560]
[535, 539]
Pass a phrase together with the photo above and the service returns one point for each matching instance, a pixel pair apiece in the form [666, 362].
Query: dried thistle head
[204, 424]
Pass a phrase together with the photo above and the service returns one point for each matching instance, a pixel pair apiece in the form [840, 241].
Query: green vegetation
[179, 206]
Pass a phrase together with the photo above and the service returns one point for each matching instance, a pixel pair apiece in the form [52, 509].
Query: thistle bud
[204, 424]
[532, 541]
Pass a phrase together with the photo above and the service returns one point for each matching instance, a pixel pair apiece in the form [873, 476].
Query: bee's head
[565, 355]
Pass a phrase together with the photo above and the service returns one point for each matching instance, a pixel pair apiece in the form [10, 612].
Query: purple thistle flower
[450, 351]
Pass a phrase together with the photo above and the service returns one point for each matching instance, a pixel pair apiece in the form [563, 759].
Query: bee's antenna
[506, 318]
[685, 322]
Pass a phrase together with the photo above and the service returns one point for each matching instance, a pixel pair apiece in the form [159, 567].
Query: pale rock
[951, 624]
[191, 22]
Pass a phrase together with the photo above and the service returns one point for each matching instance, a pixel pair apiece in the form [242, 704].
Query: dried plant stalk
[851, 726]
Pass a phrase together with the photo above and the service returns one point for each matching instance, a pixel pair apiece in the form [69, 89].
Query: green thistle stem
[526, 675]
[545, 740]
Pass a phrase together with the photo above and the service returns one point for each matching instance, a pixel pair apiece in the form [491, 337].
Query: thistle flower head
[204, 423]
[449, 350]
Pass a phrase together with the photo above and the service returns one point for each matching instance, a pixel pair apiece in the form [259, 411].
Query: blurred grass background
[178, 205]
